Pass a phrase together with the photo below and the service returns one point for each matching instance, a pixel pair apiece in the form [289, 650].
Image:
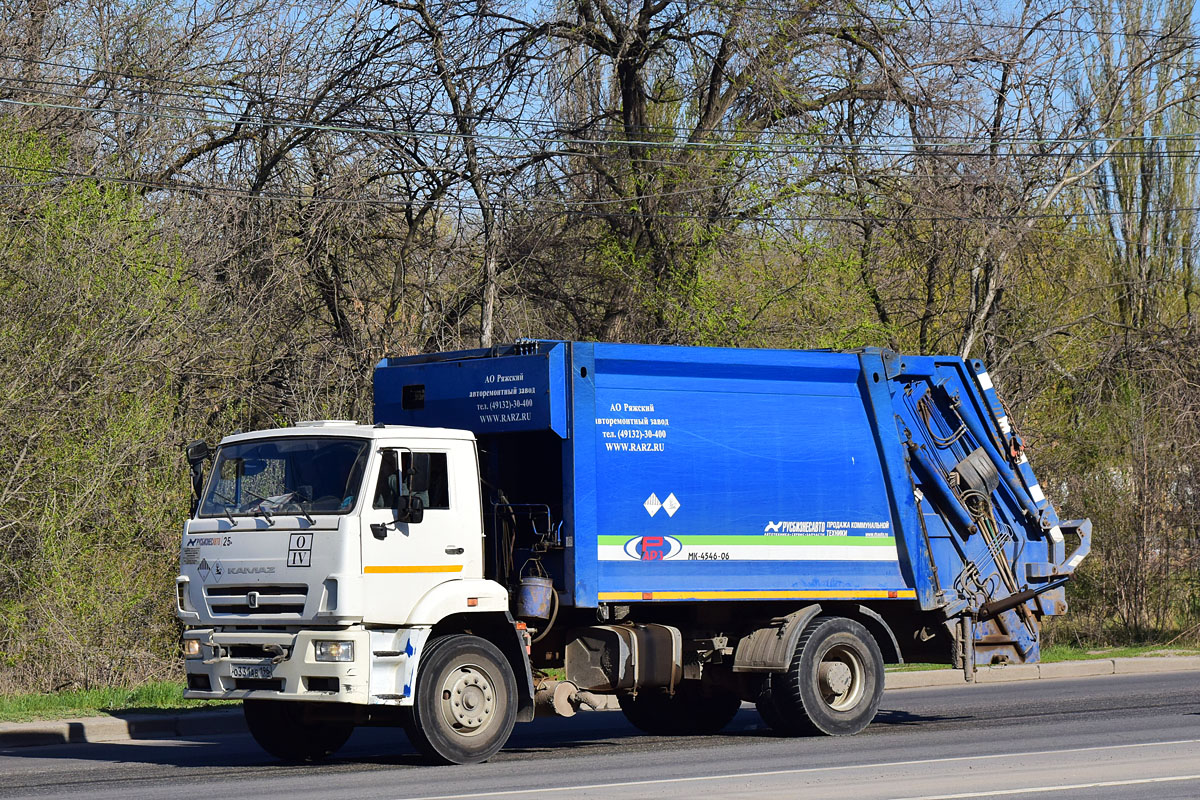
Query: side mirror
[410, 508]
[197, 451]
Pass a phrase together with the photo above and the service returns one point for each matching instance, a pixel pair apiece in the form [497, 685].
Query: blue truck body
[703, 475]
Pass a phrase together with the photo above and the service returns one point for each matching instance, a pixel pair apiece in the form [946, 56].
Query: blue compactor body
[551, 526]
[658, 483]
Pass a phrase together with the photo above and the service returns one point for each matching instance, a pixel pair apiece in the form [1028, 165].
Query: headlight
[191, 648]
[334, 651]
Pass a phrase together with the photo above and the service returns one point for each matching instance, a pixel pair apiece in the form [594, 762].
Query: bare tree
[481, 63]
[689, 120]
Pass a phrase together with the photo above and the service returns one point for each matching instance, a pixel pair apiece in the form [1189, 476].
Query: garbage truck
[553, 526]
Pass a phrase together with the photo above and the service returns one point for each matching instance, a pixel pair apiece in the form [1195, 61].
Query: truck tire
[689, 712]
[833, 686]
[280, 728]
[465, 703]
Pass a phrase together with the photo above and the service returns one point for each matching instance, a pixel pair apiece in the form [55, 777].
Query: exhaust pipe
[564, 699]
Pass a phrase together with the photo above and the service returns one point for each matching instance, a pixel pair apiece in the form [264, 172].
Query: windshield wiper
[226, 504]
[261, 508]
[301, 499]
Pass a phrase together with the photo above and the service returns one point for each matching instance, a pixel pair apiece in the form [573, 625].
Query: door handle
[454, 551]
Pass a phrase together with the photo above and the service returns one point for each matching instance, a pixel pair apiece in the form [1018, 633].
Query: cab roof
[349, 428]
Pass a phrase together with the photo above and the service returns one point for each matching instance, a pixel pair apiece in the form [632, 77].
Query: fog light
[334, 651]
[191, 648]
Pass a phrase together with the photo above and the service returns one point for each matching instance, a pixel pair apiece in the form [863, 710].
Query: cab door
[403, 560]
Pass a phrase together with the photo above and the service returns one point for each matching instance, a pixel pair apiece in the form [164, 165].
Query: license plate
[251, 671]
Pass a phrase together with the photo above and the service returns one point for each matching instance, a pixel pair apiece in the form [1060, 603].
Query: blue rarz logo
[653, 548]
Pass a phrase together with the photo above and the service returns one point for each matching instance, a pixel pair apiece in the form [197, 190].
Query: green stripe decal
[790, 541]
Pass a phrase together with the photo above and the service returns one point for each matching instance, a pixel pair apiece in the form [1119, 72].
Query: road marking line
[1028, 789]
[802, 771]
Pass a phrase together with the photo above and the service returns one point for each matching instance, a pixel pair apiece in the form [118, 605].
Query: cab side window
[422, 474]
[387, 488]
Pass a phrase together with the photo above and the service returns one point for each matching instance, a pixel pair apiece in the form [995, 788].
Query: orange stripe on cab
[430, 568]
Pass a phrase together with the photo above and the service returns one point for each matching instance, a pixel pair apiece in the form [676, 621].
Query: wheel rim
[468, 699]
[841, 678]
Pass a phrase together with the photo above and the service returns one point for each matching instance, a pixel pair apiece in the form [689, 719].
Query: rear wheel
[465, 703]
[833, 686]
[290, 731]
[691, 711]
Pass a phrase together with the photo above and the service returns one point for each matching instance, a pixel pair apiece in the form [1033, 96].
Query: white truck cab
[319, 562]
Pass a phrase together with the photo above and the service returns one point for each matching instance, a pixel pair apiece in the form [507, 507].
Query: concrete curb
[1032, 672]
[121, 728]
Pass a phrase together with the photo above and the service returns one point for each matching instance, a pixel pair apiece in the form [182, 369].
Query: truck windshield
[318, 475]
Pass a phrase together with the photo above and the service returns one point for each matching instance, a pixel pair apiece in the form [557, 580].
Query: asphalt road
[1124, 736]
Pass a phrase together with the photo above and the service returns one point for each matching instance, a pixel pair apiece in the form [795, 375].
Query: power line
[234, 118]
[1142, 33]
[809, 149]
[578, 208]
[548, 125]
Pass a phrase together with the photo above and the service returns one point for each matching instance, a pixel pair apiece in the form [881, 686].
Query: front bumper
[281, 665]
[235, 665]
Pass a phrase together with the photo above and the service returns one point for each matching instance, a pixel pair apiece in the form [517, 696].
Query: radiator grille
[256, 600]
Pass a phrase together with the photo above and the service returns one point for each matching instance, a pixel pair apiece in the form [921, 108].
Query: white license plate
[251, 671]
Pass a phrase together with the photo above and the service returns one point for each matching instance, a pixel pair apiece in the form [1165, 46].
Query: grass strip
[161, 696]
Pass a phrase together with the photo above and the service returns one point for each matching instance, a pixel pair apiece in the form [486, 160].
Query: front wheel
[465, 703]
[286, 730]
[833, 686]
